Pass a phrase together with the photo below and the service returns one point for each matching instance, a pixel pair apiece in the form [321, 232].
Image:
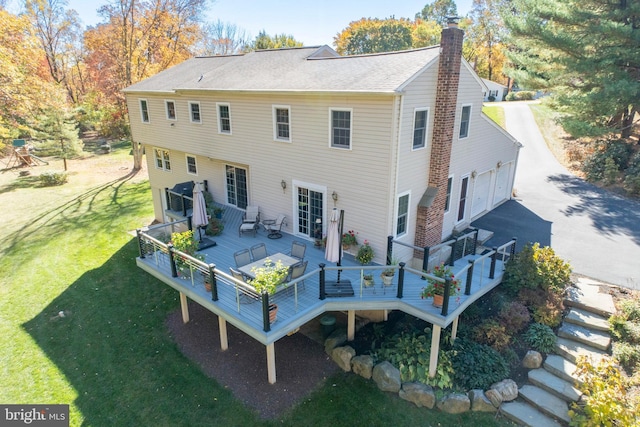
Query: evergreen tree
[585, 52]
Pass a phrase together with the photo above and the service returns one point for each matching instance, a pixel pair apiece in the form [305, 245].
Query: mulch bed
[301, 364]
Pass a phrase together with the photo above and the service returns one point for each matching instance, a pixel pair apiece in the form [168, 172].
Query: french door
[237, 186]
[310, 209]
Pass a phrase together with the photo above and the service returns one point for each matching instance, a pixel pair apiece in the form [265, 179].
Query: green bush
[632, 176]
[50, 179]
[493, 334]
[536, 267]
[523, 95]
[476, 365]
[595, 166]
[627, 354]
[630, 309]
[540, 337]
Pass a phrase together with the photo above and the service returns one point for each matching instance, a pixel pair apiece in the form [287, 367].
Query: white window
[403, 215]
[447, 202]
[464, 187]
[465, 118]
[420, 127]
[163, 161]
[194, 112]
[144, 111]
[192, 166]
[224, 118]
[170, 108]
[340, 128]
[282, 123]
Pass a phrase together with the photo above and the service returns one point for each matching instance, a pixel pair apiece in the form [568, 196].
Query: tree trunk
[137, 149]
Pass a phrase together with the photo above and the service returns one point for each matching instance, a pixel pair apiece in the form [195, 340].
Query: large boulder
[494, 397]
[480, 402]
[387, 377]
[418, 393]
[454, 403]
[363, 366]
[336, 339]
[342, 356]
[532, 360]
[508, 389]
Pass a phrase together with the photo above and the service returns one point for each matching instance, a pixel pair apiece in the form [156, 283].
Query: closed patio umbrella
[332, 250]
[199, 217]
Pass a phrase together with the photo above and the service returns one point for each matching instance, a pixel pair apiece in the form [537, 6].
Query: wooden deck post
[184, 306]
[271, 363]
[454, 329]
[435, 347]
[351, 325]
[222, 327]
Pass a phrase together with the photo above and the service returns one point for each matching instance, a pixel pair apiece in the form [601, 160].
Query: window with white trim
[170, 108]
[192, 165]
[420, 127]
[281, 123]
[448, 201]
[224, 118]
[403, 215]
[465, 118]
[163, 160]
[144, 111]
[341, 128]
[194, 112]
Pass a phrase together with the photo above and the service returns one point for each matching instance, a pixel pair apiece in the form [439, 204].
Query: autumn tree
[265, 41]
[425, 33]
[374, 35]
[222, 38]
[438, 11]
[484, 33]
[586, 54]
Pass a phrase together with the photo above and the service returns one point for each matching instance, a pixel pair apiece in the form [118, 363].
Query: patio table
[285, 259]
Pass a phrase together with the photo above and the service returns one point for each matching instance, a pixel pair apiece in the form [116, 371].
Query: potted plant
[267, 279]
[365, 253]
[215, 227]
[349, 239]
[187, 244]
[368, 280]
[435, 289]
[217, 212]
[388, 273]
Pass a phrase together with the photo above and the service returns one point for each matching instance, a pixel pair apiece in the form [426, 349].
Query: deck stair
[546, 399]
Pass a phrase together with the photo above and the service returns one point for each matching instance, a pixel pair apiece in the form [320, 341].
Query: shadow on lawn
[113, 349]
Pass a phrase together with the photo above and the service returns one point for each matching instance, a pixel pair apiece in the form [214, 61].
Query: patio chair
[298, 249]
[297, 270]
[245, 297]
[274, 227]
[259, 251]
[252, 215]
[242, 257]
[247, 227]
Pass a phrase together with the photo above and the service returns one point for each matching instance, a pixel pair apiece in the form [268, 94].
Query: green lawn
[495, 113]
[110, 357]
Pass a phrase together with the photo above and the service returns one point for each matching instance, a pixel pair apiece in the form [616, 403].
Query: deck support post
[454, 329]
[222, 327]
[184, 306]
[271, 363]
[351, 325]
[435, 347]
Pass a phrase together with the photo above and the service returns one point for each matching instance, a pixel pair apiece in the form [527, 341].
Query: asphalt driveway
[596, 231]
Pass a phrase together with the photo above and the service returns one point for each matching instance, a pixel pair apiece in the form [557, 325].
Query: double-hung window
[194, 112]
[403, 215]
[144, 111]
[192, 166]
[170, 108]
[224, 118]
[341, 128]
[163, 160]
[465, 118]
[420, 128]
[282, 123]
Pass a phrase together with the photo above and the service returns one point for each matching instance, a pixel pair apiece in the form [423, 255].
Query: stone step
[555, 385]
[571, 350]
[545, 402]
[586, 295]
[562, 368]
[597, 339]
[484, 235]
[526, 415]
[587, 319]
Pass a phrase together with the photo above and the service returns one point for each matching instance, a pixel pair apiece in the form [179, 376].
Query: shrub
[595, 166]
[50, 179]
[493, 334]
[476, 365]
[630, 308]
[522, 95]
[515, 316]
[611, 171]
[627, 354]
[540, 337]
[536, 267]
[624, 330]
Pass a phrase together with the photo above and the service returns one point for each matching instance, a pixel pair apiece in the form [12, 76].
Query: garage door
[502, 184]
[481, 191]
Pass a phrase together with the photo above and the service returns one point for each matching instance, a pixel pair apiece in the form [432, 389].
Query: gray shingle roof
[292, 70]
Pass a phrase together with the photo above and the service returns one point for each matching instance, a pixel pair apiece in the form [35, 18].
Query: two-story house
[397, 140]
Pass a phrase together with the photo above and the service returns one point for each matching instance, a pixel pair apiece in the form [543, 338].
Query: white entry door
[481, 189]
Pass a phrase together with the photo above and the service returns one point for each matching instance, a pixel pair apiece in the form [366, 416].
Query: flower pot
[207, 286]
[387, 280]
[368, 282]
[273, 313]
[345, 247]
[438, 300]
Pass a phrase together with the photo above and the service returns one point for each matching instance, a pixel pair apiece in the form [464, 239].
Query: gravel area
[301, 363]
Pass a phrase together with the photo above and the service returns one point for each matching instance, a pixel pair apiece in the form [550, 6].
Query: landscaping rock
[454, 403]
[336, 339]
[508, 389]
[418, 393]
[363, 366]
[532, 360]
[494, 397]
[342, 356]
[387, 377]
[480, 402]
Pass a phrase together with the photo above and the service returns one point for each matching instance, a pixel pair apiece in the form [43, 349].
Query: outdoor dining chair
[298, 249]
[274, 227]
[259, 251]
[297, 270]
[245, 298]
[242, 257]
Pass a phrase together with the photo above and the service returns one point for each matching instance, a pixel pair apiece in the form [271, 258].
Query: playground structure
[21, 156]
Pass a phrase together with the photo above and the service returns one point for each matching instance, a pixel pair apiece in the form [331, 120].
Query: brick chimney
[430, 217]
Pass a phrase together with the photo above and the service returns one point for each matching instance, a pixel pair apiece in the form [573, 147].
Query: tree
[56, 131]
[220, 38]
[374, 35]
[586, 53]
[483, 39]
[425, 33]
[265, 41]
[438, 11]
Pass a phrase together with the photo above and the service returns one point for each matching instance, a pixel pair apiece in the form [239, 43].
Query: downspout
[398, 110]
